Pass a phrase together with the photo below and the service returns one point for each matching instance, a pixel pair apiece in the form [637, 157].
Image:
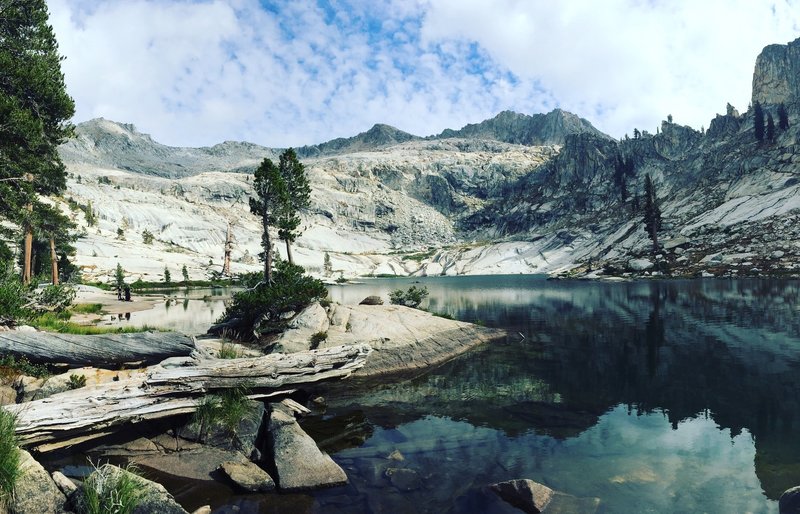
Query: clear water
[673, 396]
[663, 396]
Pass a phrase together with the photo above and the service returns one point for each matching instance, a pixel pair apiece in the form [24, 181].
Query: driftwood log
[82, 414]
[100, 351]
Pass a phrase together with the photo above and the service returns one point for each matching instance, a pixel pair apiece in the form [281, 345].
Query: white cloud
[200, 72]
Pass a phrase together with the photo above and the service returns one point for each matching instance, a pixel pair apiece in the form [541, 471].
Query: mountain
[552, 128]
[512, 194]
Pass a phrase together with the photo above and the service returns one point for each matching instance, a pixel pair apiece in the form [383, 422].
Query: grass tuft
[87, 308]
[51, 322]
[228, 350]
[9, 456]
[111, 490]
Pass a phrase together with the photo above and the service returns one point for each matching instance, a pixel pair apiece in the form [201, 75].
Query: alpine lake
[653, 396]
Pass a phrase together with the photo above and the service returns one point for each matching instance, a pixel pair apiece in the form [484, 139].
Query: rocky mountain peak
[552, 128]
[379, 136]
[776, 78]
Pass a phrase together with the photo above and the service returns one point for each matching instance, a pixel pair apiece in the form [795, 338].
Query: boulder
[298, 463]
[27, 387]
[640, 264]
[789, 502]
[64, 484]
[8, 395]
[372, 300]
[243, 439]
[248, 476]
[35, 490]
[529, 496]
[297, 337]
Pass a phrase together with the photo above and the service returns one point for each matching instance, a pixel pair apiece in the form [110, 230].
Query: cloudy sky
[199, 72]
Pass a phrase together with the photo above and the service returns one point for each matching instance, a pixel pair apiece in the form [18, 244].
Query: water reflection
[654, 396]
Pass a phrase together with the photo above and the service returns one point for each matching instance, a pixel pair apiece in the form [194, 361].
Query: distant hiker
[127, 293]
[119, 293]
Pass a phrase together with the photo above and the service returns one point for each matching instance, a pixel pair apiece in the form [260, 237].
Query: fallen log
[82, 414]
[100, 351]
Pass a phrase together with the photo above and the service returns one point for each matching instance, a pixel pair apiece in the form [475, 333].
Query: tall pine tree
[297, 197]
[34, 109]
[770, 128]
[758, 121]
[783, 117]
[270, 197]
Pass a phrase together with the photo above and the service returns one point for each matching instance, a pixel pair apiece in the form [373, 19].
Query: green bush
[10, 367]
[76, 381]
[13, 297]
[262, 305]
[9, 456]
[56, 297]
[413, 297]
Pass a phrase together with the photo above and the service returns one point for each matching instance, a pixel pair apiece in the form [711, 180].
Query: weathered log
[82, 414]
[100, 351]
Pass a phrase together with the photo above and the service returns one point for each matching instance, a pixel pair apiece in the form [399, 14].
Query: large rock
[35, 490]
[243, 439]
[789, 502]
[297, 337]
[402, 338]
[248, 476]
[640, 264]
[298, 463]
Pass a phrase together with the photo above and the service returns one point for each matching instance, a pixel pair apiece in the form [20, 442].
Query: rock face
[299, 464]
[777, 75]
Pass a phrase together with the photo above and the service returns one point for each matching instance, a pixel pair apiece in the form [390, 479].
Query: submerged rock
[529, 496]
[248, 476]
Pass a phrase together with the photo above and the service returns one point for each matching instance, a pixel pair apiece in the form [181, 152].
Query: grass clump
[9, 456]
[55, 322]
[87, 308]
[227, 350]
[111, 490]
[224, 410]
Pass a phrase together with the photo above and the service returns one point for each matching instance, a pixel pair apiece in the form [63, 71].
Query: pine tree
[783, 117]
[185, 273]
[652, 212]
[33, 95]
[271, 193]
[758, 121]
[770, 128]
[297, 197]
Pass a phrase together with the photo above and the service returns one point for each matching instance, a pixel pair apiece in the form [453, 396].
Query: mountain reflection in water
[653, 396]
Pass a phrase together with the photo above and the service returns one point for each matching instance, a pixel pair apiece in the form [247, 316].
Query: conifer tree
[652, 212]
[758, 121]
[270, 196]
[783, 117]
[770, 128]
[297, 197]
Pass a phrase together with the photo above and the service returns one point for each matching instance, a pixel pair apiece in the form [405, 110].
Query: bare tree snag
[83, 414]
[226, 262]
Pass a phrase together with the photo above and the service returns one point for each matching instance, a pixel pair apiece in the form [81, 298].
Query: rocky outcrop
[777, 75]
[378, 136]
[298, 463]
[537, 130]
[403, 339]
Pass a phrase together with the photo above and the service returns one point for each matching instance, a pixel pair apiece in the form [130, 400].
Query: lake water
[662, 396]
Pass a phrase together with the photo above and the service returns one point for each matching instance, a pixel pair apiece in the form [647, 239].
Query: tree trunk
[654, 237]
[83, 414]
[289, 252]
[266, 242]
[28, 248]
[226, 263]
[103, 351]
[53, 261]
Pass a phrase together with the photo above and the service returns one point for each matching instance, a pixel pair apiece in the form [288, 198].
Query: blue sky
[281, 73]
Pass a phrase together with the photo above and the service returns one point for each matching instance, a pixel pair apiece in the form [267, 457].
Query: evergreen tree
[167, 276]
[35, 110]
[770, 128]
[758, 121]
[270, 196]
[652, 212]
[297, 197]
[119, 277]
[783, 117]
[185, 273]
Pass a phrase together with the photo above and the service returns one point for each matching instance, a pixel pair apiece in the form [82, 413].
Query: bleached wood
[100, 351]
[82, 414]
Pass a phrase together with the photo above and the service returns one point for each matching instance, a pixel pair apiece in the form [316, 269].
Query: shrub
[10, 367]
[110, 490]
[76, 381]
[317, 338]
[413, 297]
[147, 237]
[262, 305]
[12, 297]
[9, 456]
[56, 297]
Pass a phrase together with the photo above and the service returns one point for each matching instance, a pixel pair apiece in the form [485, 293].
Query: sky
[290, 73]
